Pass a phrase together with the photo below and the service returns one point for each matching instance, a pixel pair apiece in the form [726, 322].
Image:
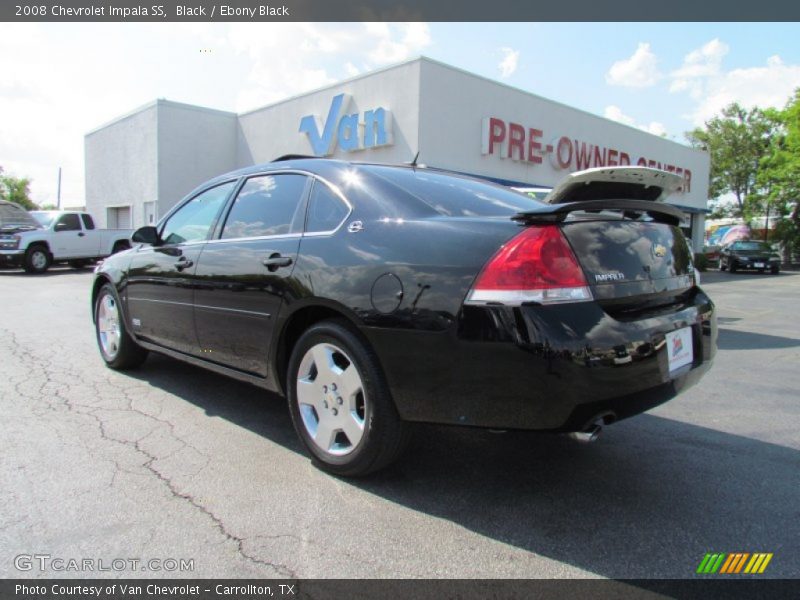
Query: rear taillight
[538, 266]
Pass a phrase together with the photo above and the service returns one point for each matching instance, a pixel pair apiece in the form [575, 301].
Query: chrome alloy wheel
[38, 260]
[331, 399]
[108, 328]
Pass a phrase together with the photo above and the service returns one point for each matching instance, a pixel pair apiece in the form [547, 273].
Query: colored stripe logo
[732, 563]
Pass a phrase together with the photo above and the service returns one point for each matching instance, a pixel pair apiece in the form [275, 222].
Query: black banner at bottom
[412, 589]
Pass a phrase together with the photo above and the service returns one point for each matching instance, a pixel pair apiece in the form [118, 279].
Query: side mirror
[146, 235]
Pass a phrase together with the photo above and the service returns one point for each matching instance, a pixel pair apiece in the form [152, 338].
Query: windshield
[12, 215]
[454, 196]
[752, 246]
[44, 217]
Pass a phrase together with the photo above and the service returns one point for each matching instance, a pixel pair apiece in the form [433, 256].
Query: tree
[737, 142]
[16, 190]
[779, 175]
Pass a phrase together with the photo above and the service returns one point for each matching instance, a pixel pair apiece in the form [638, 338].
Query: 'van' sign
[350, 132]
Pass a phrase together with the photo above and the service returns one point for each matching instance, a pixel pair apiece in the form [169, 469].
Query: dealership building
[142, 163]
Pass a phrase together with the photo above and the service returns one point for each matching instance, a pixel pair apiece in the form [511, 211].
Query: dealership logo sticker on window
[734, 563]
[679, 348]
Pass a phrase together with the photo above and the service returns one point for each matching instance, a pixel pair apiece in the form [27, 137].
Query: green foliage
[17, 190]
[737, 142]
[700, 261]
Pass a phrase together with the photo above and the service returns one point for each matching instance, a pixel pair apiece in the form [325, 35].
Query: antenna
[413, 164]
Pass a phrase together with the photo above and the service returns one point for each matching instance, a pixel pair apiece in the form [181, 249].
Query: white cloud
[509, 63]
[702, 76]
[701, 63]
[640, 70]
[615, 114]
[395, 42]
[67, 80]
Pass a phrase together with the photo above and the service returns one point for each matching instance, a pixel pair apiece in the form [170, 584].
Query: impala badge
[355, 227]
[659, 250]
[610, 276]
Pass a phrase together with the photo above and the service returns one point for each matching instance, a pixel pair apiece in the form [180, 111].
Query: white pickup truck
[37, 239]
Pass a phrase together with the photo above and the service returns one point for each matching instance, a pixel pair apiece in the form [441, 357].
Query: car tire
[117, 348]
[775, 270]
[722, 266]
[37, 259]
[732, 266]
[340, 403]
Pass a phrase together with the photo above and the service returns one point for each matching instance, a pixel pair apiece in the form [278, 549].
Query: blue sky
[62, 80]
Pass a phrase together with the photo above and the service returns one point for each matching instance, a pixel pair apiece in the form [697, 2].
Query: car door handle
[183, 263]
[276, 261]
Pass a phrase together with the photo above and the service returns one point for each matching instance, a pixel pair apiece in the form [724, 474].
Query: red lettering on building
[516, 141]
[583, 157]
[534, 146]
[564, 145]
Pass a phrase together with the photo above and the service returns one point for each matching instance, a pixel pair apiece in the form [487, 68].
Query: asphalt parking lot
[173, 462]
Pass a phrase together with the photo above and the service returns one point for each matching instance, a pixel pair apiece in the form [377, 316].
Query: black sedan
[375, 296]
[749, 254]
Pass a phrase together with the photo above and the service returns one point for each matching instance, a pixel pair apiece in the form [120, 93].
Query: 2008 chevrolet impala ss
[374, 296]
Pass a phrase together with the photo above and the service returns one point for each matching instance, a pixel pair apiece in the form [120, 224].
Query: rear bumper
[543, 367]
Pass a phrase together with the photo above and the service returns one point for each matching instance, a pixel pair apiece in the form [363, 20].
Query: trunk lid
[625, 238]
[615, 183]
[624, 259]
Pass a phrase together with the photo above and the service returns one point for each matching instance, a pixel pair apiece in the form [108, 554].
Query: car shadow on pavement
[647, 500]
[733, 339]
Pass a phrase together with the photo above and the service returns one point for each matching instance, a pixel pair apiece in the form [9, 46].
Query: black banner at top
[397, 10]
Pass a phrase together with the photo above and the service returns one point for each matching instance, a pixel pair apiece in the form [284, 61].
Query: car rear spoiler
[554, 213]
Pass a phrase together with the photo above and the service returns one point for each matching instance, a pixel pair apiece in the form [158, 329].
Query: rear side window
[68, 222]
[454, 196]
[265, 206]
[192, 221]
[88, 223]
[326, 210]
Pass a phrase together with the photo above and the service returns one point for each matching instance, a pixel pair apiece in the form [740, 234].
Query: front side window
[88, 222]
[326, 210]
[68, 222]
[193, 221]
[266, 205]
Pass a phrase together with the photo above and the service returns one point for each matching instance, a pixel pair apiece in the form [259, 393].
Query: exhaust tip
[588, 435]
[592, 431]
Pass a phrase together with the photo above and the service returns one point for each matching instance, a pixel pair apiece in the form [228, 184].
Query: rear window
[454, 196]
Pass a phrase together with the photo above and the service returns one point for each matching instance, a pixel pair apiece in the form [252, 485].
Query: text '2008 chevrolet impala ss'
[374, 296]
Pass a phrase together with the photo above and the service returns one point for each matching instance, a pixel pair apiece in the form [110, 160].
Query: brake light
[537, 266]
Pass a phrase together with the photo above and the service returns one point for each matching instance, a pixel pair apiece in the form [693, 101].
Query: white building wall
[163, 151]
[272, 131]
[194, 145]
[122, 163]
[454, 104]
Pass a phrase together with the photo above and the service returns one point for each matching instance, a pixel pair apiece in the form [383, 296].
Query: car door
[160, 278]
[92, 236]
[244, 275]
[69, 239]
